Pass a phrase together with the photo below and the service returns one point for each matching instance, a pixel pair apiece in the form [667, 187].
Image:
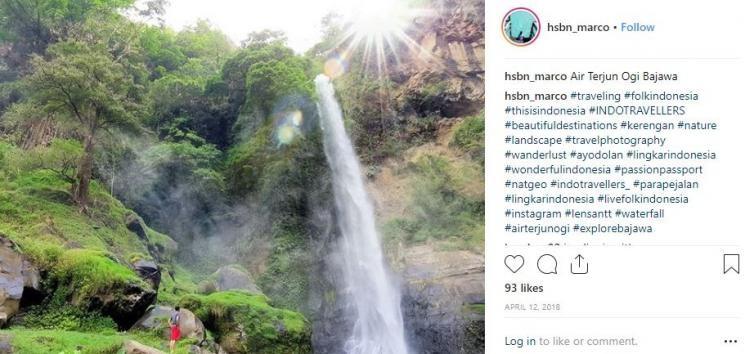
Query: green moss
[268, 329]
[68, 342]
[173, 288]
[26, 340]
[90, 272]
[36, 211]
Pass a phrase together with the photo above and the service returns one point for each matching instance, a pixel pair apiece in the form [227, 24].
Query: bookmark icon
[732, 263]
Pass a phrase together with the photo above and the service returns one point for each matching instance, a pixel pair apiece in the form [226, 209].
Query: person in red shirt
[173, 322]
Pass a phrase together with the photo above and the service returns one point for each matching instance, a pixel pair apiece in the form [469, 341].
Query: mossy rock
[246, 323]
[97, 282]
[230, 277]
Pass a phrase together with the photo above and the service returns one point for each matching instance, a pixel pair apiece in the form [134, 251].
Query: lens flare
[297, 118]
[288, 127]
[285, 134]
[335, 66]
[379, 30]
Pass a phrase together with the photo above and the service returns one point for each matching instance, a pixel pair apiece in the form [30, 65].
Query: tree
[162, 52]
[32, 25]
[264, 37]
[89, 89]
[203, 41]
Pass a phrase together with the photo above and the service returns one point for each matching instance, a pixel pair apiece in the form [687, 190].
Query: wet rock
[443, 300]
[210, 348]
[18, 278]
[125, 304]
[148, 271]
[156, 319]
[133, 347]
[134, 223]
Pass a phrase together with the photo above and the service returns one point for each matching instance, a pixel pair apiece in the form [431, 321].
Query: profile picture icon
[521, 26]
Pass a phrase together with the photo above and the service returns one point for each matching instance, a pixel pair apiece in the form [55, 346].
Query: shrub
[469, 136]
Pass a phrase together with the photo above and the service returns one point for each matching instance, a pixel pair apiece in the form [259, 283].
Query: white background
[666, 290]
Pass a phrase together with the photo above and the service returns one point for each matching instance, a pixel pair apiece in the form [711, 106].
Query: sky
[299, 19]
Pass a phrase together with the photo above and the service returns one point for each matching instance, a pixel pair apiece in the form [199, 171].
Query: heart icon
[514, 263]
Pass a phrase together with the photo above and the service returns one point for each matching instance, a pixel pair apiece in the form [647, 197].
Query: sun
[379, 20]
[376, 30]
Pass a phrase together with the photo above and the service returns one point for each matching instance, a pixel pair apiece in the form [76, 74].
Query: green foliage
[286, 276]
[60, 157]
[267, 82]
[64, 317]
[246, 161]
[173, 95]
[267, 329]
[162, 52]
[32, 25]
[264, 37]
[235, 69]
[469, 136]
[202, 40]
[279, 177]
[447, 203]
[84, 85]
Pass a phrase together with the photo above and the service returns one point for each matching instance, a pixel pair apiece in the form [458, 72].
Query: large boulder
[245, 323]
[18, 277]
[231, 277]
[149, 271]
[133, 347]
[123, 304]
[97, 282]
[156, 319]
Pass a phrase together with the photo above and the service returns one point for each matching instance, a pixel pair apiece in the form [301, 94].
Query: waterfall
[374, 299]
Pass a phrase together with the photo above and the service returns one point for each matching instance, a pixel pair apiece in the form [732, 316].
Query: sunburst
[376, 30]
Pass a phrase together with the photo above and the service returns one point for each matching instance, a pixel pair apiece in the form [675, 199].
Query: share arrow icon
[580, 265]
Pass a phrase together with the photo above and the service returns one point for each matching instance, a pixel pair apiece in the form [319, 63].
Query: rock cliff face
[443, 300]
[18, 278]
[443, 290]
[443, 74]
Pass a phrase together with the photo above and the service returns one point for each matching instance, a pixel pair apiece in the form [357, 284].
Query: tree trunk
[85, 171]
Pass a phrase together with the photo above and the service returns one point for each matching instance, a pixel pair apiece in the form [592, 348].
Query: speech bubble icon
[547, 264]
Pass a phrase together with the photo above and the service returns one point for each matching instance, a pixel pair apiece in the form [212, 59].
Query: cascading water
[375, 301]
